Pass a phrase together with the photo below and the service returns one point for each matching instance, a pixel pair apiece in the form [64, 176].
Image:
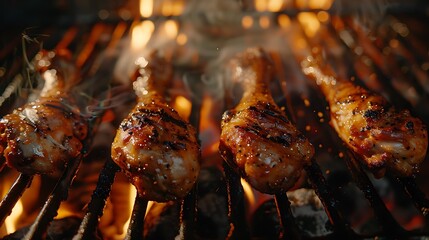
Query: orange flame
[132, 197]
[209, 129]
[248, 192]
[11, 221]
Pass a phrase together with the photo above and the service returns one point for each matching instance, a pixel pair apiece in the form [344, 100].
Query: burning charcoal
[60, 229]
[162, 221]
[307, 209]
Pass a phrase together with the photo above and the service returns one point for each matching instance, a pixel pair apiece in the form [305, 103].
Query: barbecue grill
[382, 46]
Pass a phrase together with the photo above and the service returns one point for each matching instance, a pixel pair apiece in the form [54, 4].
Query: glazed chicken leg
[382, 136]
[257, 139]
[42, 136]
[157, 150]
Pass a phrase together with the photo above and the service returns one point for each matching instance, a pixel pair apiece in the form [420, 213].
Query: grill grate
[364, 57]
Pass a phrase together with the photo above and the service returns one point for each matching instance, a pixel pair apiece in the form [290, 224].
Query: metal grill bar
[235, 193]
[390, 226]
[236, 213]
[287, 220]
[98, 201]
[15, 192]
[313, 170]
[341, 227]
[49, 210]
[135, 229]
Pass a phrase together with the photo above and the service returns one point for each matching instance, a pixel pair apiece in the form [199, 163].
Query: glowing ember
[171, 29]
[264, 22]
[260, 5]
[310, 23]
[182, 39]
[167, 8]
[247, 22]
[320, 4]
[141, 34]
[284, 21]
[178, 7]
[323, 16]
[146, 8]
[275, 5]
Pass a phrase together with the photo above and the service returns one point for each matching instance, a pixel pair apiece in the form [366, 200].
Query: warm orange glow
[247, 22]
[209, 128]
[261, 5]
[132, 198]
[323, 16]
[284, 21]
[146, 8]
[300, 43]
[301, 4]
[275, 5]
[182, 106]
[141, 34]
[309, 22]
[182, 39]
[149, 205]
[10, 222]
[171, 28]
[264, 22]
[320, 4]
[167, 8]
[178, 7]
[248, 192]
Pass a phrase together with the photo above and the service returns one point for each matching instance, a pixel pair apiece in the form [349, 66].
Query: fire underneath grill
[392, 60]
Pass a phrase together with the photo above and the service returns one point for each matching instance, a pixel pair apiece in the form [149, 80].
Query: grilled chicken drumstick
[42, 136]
[383, 137]
[156, 148]
[257, 139]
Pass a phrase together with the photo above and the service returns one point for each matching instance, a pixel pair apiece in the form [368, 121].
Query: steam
[368, 12]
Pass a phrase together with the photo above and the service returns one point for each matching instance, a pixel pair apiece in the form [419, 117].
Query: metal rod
[330, 204]
[287, 220]
[188, 208]
[135, 229]
[236, 212]
[49, 210]
[388, 88]
[15, 192]
[387, 64]
[387, 222]
[414, 192]
[98, 201]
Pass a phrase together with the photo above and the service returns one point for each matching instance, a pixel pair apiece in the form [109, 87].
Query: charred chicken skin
[257, 139]
[157, 150]
[383, 137]
[42, 136]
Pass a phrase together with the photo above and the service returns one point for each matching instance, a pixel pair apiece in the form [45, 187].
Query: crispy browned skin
[156, 148]
[257, 138]
[381, 135]
[42, 136]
